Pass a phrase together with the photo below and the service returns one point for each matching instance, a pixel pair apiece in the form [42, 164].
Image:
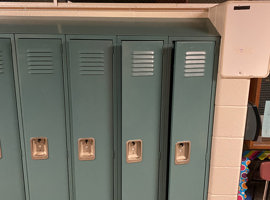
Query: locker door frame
[16, 84]
[114, 103]
[215, 39]
[163, 111]
[66, 104]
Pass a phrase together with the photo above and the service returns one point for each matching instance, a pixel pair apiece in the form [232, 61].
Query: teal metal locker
[91, 90]
[11, 172]
[141, 102]
[40, 66]
[190, 118]
[94, 124]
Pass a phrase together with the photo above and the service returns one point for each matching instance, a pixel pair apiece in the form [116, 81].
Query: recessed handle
[134, 151]
[86, 149]
[39, 148]
[182, 152]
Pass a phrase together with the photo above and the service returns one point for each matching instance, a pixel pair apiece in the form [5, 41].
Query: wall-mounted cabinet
[107, 110]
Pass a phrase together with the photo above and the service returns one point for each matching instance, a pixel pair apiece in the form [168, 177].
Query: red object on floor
[265, 171]
[265, 175]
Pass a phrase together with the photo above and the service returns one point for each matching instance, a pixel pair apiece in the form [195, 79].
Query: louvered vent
[40, 62]
[92, 62]
[195, 64]
[1, 63]
[143, 63]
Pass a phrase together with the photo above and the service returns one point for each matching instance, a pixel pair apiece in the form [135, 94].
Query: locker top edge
[189, 27]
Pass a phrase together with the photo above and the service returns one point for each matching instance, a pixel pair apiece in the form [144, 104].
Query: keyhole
[39, 140]
[86, 141]
[133, 147]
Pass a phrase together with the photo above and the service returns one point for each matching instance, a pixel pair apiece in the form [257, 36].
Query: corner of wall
[227, 140]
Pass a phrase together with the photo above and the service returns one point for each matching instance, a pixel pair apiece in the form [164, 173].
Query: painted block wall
[228, 133]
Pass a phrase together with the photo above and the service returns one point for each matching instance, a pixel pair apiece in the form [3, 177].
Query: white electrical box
[245, 45]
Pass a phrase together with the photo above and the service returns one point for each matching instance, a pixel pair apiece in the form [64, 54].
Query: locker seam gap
[18, 92]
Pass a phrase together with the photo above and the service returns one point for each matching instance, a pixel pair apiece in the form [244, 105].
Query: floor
[255, 183]
[258, 191]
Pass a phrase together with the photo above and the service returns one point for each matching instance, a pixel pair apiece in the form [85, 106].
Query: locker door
[11, 174]
[191, 101]
[42, 98]
[141, 102]
[91, 97]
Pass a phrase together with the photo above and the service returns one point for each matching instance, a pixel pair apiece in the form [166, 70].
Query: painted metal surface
[185, 27]
[71, 106]
[141, 102]
[90, 73]
[11, 173]
[190, 114]
[40, 67]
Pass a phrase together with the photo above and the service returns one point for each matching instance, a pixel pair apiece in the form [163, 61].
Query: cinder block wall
[228, 133]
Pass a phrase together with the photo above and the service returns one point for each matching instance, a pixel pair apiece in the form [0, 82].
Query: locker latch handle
[134, 151]
[86, 149]
[182, 152]
[39, 148]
